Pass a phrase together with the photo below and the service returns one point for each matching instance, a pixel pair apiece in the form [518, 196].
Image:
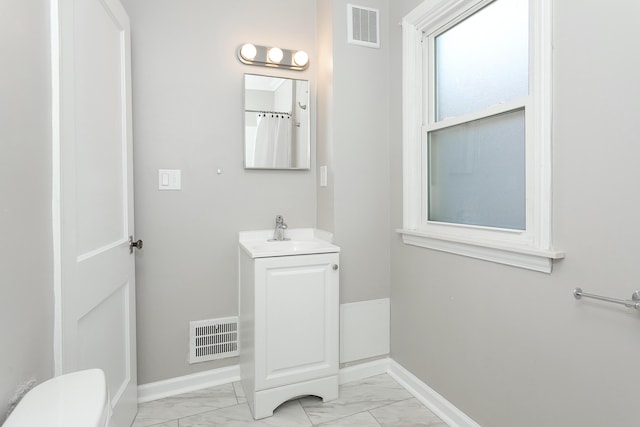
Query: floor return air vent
[213, 339]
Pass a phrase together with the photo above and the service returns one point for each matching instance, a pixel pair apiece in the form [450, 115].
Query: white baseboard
[425, 394]
[214, 377]
[363, 370]
[198, 381]
[430, 398]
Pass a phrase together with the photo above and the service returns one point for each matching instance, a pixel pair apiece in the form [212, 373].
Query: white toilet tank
[78, 399]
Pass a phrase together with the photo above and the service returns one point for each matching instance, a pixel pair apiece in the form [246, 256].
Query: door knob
[335, 266]
[132, 244]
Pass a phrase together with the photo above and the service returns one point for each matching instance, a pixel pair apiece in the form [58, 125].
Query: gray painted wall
[26, 287]
[325, 113]
[512, 347]
[359, 147]
[187, 98]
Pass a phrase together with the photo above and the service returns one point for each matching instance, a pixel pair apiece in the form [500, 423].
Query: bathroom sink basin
[302, 242]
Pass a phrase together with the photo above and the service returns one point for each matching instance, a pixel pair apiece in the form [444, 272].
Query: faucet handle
[279, 219]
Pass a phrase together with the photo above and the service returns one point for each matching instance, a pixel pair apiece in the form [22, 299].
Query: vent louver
[363, 26]
[213, 339]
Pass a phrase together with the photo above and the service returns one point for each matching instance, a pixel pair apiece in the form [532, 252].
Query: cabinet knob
[335, 266]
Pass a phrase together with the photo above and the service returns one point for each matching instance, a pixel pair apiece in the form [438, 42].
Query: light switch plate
[169, 179]
[323, 176]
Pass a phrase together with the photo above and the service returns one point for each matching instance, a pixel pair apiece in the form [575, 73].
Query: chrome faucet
[278, 232]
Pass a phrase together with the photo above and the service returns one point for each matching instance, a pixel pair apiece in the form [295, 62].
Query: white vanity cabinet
[289, 328]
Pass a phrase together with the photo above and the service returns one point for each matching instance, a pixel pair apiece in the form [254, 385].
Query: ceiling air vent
[363, 25]
[213, 339]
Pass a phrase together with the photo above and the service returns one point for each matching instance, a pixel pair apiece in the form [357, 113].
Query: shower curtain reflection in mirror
[272, 147]
[276, 123]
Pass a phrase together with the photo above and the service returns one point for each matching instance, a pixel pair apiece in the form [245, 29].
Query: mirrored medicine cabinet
[276, 123]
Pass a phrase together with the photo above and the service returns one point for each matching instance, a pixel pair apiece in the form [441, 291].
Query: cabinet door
[297, 325]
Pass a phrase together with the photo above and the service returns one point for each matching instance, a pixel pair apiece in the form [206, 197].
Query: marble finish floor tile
[355, 397]
[184, 405]
[237, 387]
[289, 414]
[407, 413]
[173, 423]
[373, 402]
[153, 422]
[363, 419]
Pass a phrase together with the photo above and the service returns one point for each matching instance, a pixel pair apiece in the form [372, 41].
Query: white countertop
[302, 241]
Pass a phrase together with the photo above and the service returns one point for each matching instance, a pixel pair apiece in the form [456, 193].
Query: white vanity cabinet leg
[289, 328]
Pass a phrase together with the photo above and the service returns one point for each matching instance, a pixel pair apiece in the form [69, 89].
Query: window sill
[528, 258]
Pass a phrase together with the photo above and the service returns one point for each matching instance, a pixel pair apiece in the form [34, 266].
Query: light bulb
[301, 58]
[248, 51]
[275, 55]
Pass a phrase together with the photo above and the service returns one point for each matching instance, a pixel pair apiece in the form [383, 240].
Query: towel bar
[634, 302]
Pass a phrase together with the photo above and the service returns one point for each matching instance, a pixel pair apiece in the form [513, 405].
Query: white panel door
[97, 270]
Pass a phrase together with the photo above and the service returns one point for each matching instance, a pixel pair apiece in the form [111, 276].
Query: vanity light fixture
[264, 56]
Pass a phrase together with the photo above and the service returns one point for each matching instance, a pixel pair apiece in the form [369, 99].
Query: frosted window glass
[483, 60]
[477, 172]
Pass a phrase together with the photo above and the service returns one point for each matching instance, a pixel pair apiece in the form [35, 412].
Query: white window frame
[530, 248]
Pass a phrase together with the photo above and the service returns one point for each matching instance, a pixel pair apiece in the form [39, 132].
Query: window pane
[477, 172]
[483, 60]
